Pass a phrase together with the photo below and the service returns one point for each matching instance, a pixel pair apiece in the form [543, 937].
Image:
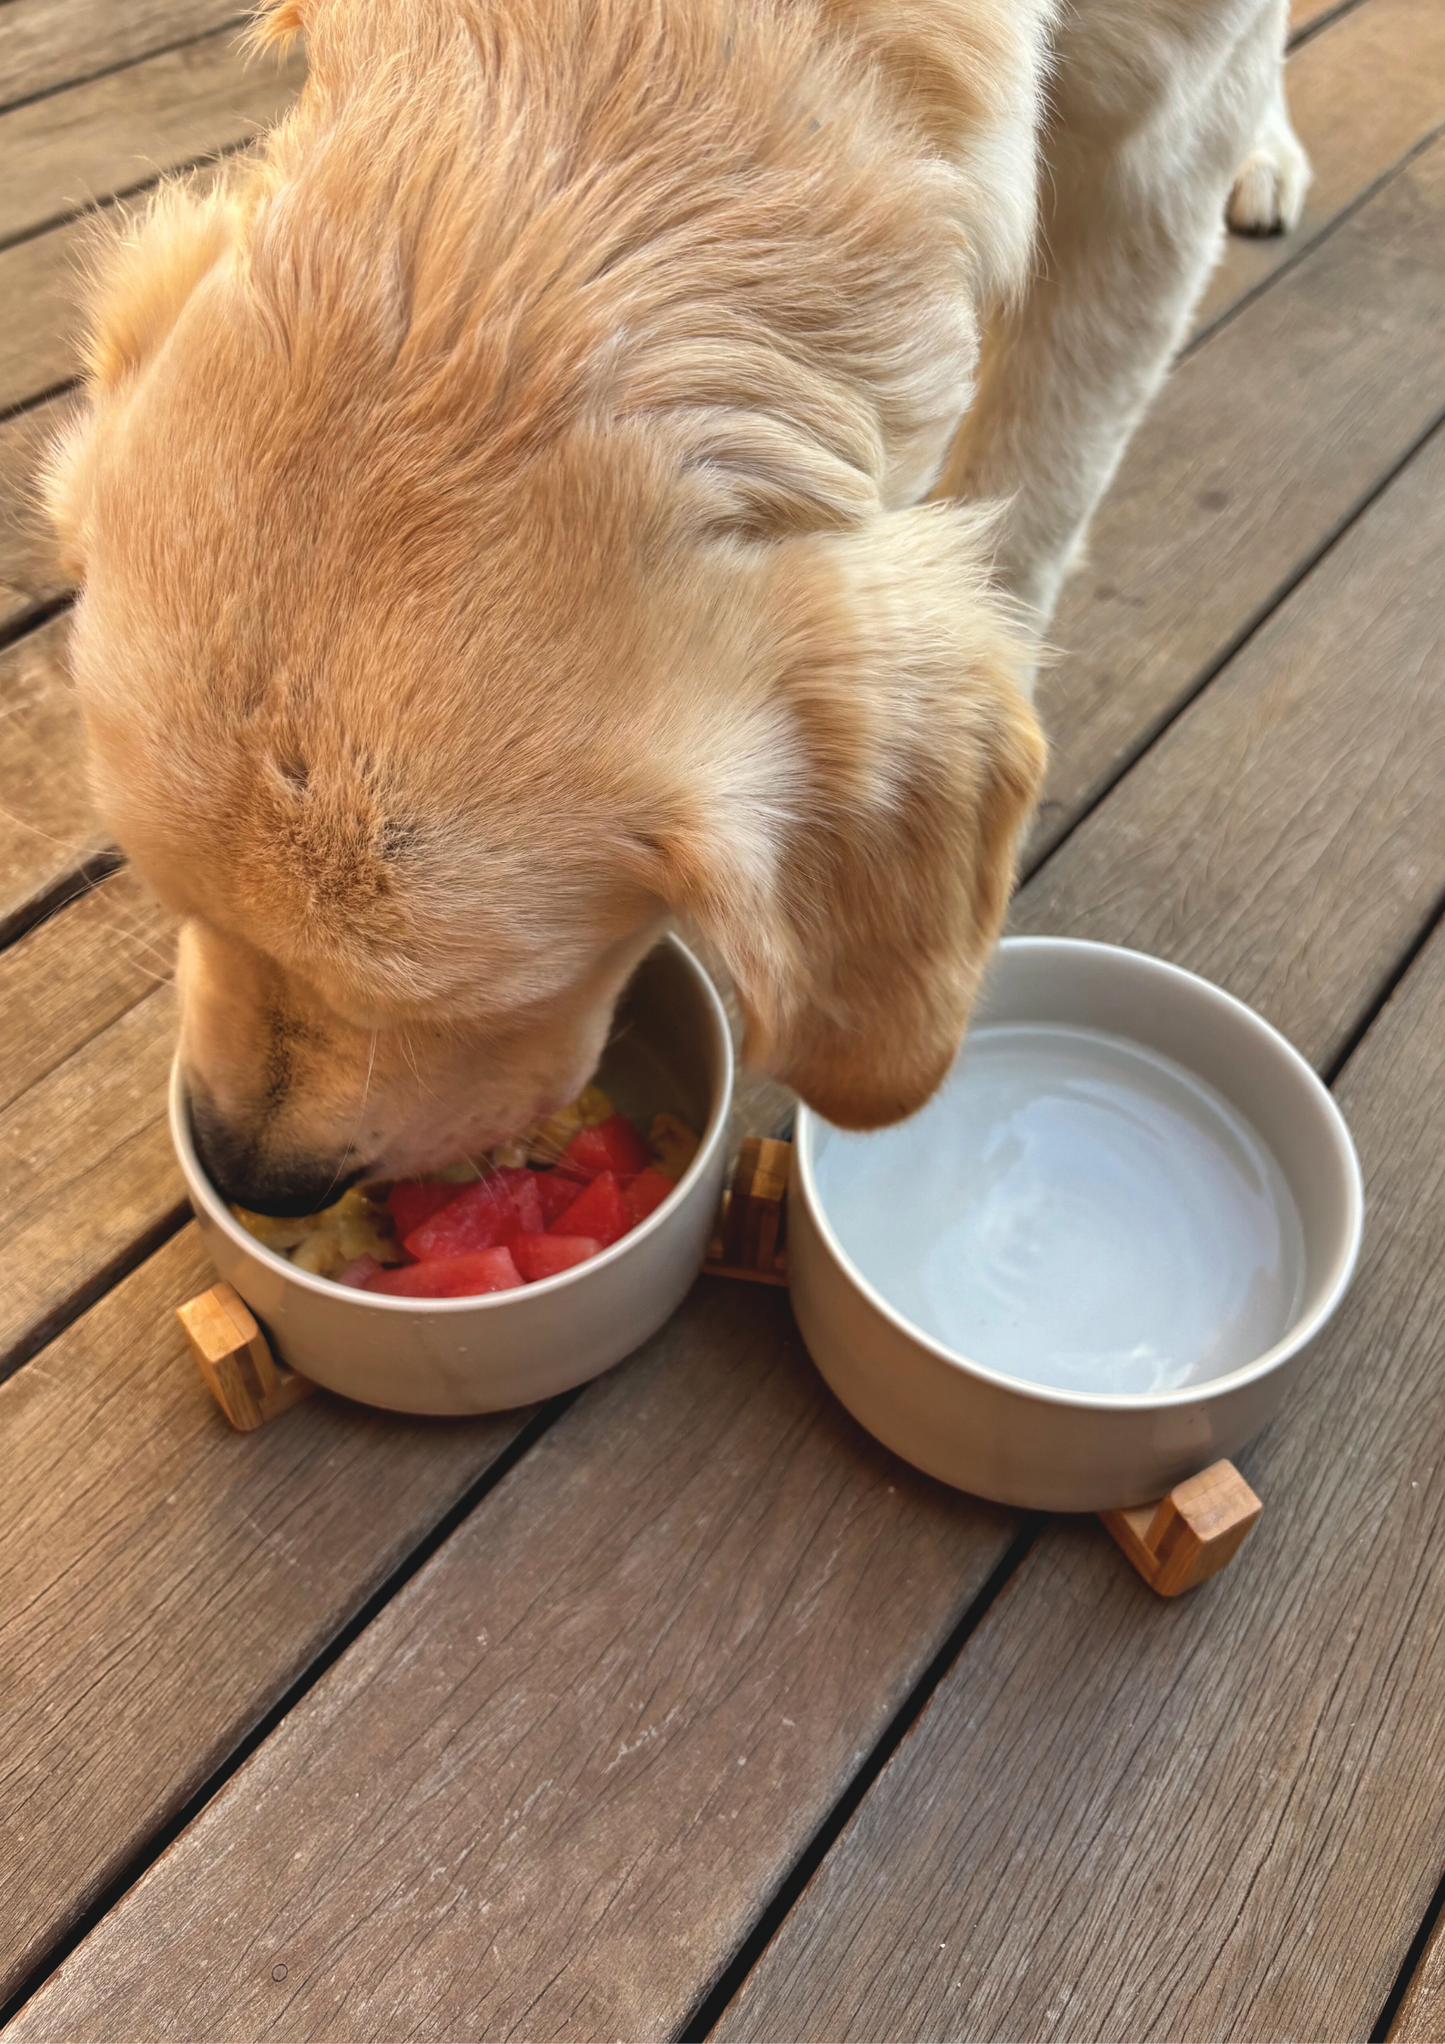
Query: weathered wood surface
[1363, 93]
[42, 287]
[91, 1178]
[67, 980]
[1421, 2015]
[567, 1763]
[164, 1579]
[72, 148]
[46, 830]
[44, 46]
[1294, 846]
[1303, 14]
[1217, 1819]
[1260, 445]
[29, 573]
[628, 1873]
[1286, 836]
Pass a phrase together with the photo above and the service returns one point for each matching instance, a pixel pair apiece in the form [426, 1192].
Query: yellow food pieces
[325, 1243]
[546, 1140]
[673, 1144]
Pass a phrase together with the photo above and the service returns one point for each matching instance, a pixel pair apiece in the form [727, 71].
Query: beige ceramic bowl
[671, 1051]
[1122, 1270]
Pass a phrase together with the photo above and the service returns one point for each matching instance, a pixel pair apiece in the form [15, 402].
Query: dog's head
[428, 665]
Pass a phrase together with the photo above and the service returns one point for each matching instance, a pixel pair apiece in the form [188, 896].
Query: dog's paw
[1269, 191]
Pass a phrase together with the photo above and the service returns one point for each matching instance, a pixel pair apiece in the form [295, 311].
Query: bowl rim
[202, 1191]
[1297, 1337]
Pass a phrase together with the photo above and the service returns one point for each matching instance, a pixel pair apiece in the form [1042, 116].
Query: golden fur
[498, 510]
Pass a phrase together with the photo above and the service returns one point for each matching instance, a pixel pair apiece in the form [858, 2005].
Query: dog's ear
[143, 273]
[276, 24]
[855, 881]
[143, 276]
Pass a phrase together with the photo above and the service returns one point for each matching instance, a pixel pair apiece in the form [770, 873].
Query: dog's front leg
[1155, 107]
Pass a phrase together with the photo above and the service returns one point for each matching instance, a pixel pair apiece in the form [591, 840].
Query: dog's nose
[284, 1186]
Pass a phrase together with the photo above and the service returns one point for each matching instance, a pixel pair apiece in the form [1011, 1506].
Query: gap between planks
[683, 1612]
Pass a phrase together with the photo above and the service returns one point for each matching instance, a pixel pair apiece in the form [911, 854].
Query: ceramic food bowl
[1097, 1260]
[671, 1051]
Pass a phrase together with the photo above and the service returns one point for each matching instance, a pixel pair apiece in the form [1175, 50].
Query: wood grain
[1284, 837]
[44, 45]
[64, 982]
[1260, 445]
[1292, 841]
[89, 1173]
[74, 148]
[42, 282]
[1363, 93]
[534, 1830]
[1420, 2018]
[1221, 1818]
[46, 828]
[163, 1579]
[547, 1788]
[29, 574]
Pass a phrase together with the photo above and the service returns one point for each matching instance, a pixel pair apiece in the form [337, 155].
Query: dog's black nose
[242, 1173]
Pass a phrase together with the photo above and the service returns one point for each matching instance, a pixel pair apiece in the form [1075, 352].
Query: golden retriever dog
[607, 460]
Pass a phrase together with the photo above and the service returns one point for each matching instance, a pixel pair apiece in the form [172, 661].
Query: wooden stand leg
[749, 1243]
[243, 1376]
[1190, 1534]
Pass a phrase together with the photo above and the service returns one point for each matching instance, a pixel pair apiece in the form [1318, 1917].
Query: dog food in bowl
[572, 1186]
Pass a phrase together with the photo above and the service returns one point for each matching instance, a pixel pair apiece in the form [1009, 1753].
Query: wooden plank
[1363, 93]
[91, 1179]
[1303, 14]
[1421, 2015]
[41, 286]
[1284, 836]
[569, 1784]
[541, 1835]
[44, 45]
[163, 1579]
[74, 148]
[1260, 445]
[29, 575]
[46, 829]
[61, 985]
[1217, 1818]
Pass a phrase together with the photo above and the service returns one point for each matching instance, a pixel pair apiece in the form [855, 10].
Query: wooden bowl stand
[1175, 1543]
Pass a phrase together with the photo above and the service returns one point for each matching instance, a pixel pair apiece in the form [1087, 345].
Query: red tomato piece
[613, 1145]
[410, 1202]
[597, 1212]
[358, 1271]
[480, 1217]
[542, 1256]
[451, 1277]
[556, 1192]
[522, 1185]
[646, 1193]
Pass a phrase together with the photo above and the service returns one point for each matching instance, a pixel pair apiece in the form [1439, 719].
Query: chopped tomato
[597, 1212]
[451, 1277]
[556, 1192]
[522, 1185]
[410, 1202]
[646, 1193]
[543, 1256]
[613, 1145]
[480, 1217]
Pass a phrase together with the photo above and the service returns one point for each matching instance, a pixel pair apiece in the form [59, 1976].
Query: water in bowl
[1073, 1210]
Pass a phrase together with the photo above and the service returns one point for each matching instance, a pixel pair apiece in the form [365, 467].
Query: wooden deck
[679, 1708]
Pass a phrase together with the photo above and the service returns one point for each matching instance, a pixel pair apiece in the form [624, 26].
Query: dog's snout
[242, 1172]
